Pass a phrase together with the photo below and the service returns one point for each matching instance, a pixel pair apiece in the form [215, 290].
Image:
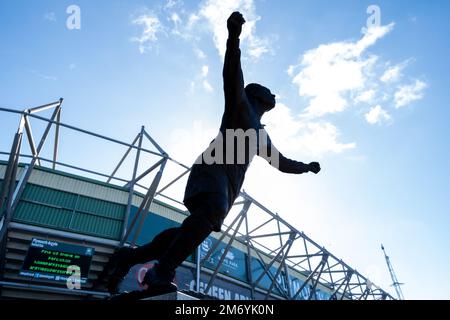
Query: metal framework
[395, 283]
[275, 243]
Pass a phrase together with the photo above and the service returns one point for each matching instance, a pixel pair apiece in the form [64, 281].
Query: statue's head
[261, 94]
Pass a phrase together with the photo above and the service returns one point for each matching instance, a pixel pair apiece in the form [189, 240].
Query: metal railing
[281, 250]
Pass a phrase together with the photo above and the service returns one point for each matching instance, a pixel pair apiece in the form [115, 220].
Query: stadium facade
[57, 226]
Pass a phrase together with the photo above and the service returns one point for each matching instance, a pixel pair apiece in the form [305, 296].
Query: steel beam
[249, 260]
[136, 217]
[151, 194]
[198, 270]
[309, 278]
[55, 146]
[15, 149]
[228, 246]
[21, 187]
[45, 106]
[272, 235]
[262, 225]
[288, 284]
[284, 253]
[79, 130]
[131, 188]
[122, 159]
[31, 139]
[314, 286]
[154, 143]
[10, 191]
[214, 247]
[173, 181]
[146, 172]
[266, 269]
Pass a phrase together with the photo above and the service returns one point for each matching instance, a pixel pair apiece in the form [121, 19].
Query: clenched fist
[234, 24]
[314, 167]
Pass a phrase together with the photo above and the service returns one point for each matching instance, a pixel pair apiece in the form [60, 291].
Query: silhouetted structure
[395, 283]
[212, 187]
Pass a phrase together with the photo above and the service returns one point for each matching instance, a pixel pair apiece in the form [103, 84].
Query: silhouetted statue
[212, 187]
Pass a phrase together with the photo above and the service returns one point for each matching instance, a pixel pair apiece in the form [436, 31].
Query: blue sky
[371, 107]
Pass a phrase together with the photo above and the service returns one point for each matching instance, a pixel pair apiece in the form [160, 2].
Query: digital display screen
[56, 261]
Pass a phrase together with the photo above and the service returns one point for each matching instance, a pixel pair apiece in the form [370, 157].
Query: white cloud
[293, 136]
[191, 88]
[50, 16]
[302, 137]
[409, 93]
[290, 70]
[365, 96]
[170, 4]
[391, 74]
[377, 115]
[205, 70]
[151, 27]
[319, 138]
[413, 19]
[177, 23]
[216, 13]
[207, 86]
[175, 18]
[199, 53]
[329, 72]
[193, 19]
[44, 76]
[338, 75]
[48, 77]
[394, 73]
[210, 18]
[187, 142]
[201, 80]
[371, 36]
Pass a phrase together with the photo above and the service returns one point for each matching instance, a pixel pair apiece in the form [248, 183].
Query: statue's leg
[125, 258]
[207, 217]
[154, 249]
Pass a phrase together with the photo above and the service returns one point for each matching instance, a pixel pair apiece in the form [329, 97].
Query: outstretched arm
[233, 80]
[271, 154]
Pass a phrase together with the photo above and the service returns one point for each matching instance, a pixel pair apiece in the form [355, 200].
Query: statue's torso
[226, 177]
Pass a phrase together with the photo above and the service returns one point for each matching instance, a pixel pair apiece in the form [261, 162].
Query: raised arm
[233, 80]
[271, 154]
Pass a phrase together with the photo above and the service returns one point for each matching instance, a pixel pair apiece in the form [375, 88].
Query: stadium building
[60, 223]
